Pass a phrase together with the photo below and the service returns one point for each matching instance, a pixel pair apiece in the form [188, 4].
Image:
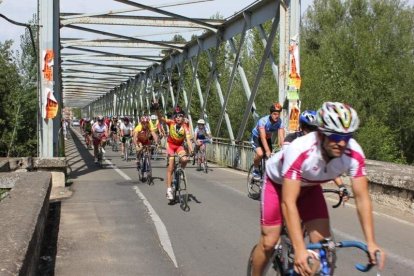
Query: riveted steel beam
[118, 43]
[149, 21]
[122, 36]
[174, 15]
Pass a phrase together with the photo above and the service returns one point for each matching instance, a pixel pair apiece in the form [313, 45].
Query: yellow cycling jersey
[143, 135]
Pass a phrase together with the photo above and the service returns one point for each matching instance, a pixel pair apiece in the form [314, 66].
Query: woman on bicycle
[99, 135]
[262, 134]
[293, 187]
[178, 134]
[202, 135]
[126, 129]
[143, 133]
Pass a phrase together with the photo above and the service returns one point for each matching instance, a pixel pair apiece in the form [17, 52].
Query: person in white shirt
[293, 181]
[99, 135]
[126, 129]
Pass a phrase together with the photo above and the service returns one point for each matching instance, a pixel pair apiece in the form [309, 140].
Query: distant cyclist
[262, 135]
[144, 132]
[99, 134]
[87, 130]
[292, 187]
[178, 134]
[125, 129]
[202, 135]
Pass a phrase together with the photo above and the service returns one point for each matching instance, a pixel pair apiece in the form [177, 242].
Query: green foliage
[379, 141]
[18, 100]
[361, 52]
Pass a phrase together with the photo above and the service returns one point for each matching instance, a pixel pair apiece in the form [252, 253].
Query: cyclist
[178, 134]
[157, 126]
[202, 135]
[143, 133]
[125, 129]
[113, 126]
[307, 124]
[299, 170]
[87, 128]
[262, 134]
[99, 134]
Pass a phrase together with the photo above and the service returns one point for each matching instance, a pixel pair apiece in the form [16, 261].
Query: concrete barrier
[23, 215]
[390, 184]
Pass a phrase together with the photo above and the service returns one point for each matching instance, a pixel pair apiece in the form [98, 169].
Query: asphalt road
[115, 225]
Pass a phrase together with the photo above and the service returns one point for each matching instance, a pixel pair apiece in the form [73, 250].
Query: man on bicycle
[143, 133]
[202, 135]
[126, 129]
[99, 134]
[178, 134]
[293, 187]
[262, 135]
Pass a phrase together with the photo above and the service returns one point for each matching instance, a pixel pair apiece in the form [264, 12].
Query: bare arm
[364, 210]
[263, 139]
[280, 137]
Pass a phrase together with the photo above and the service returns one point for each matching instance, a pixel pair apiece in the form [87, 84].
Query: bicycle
[201, 156]
[254, 186]
[179, 185]
[145, 169]
[127, 148]
[114, 141]
[282, 260]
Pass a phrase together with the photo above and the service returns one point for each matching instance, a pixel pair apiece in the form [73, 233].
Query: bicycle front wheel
[149, 170]
[253, 185]
[182, 191]
[272, 269]
[126, 150]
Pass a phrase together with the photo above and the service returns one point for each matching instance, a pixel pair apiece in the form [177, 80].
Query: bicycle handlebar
[344, 244]
[333, 191]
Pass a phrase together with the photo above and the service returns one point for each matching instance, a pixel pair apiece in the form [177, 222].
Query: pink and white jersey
[99, 128]
[303, 160]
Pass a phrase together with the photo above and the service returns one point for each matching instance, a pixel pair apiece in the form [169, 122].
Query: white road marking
[159, 225]
[395, 257]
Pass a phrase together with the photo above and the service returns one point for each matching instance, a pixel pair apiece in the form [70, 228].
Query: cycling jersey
[201, 133]
[87, 126]
[290, 137]
[302, 160]
[127, 129]
[114, 127]
[99, 128]
[269, 127]
[177, 133]
[143, 135]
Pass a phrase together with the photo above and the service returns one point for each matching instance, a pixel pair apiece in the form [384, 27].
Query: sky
[22, 11]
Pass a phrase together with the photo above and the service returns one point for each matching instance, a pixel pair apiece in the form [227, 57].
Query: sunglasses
[179, 116]
[335, 137]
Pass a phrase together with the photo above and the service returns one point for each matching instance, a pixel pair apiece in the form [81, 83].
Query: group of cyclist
[321, 151]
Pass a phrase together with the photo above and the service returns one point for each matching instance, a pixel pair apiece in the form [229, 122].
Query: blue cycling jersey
[268, 126]
[201, 134]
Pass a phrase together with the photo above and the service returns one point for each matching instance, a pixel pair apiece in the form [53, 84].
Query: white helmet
[201, 122]
[154, 117]
[337, 117]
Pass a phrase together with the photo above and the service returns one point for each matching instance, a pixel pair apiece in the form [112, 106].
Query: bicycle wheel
[141, 169]
[148, 170]
[182, 190]
[270, 270]
[254, 186]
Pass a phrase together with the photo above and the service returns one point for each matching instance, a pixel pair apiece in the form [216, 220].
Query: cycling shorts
[173, 148]
[124, 138]
[311, 204]
[257, 143]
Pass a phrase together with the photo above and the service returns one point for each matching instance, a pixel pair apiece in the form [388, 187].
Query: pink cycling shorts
[173, 148]
[311, 204]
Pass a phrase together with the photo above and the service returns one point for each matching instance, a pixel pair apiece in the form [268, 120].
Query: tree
[361, 52]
